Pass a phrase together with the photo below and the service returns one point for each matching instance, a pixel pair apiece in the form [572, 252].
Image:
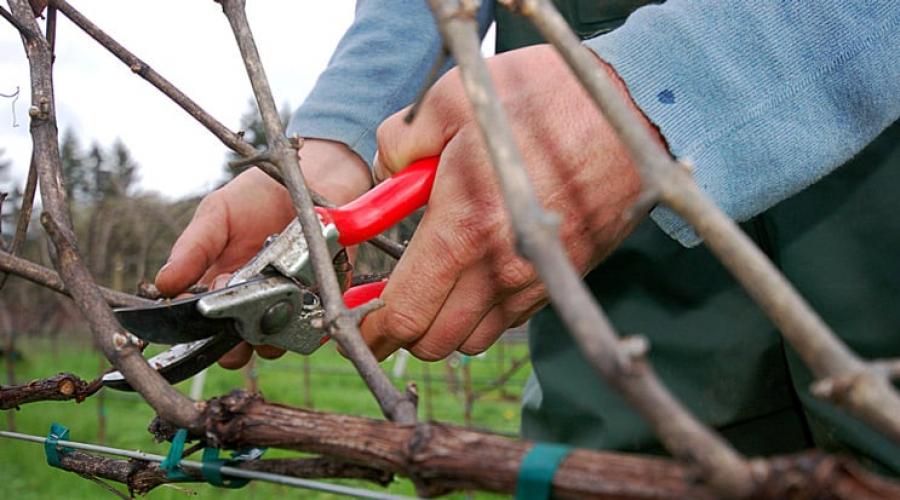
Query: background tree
[72, 160]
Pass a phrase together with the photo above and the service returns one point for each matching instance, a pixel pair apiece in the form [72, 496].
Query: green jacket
[711, 345]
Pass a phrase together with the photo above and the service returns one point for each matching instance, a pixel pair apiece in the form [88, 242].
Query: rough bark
[60, 387]
[443, 458]
[140, 476]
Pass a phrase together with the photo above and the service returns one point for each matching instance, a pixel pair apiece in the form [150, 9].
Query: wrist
[626, 94]
[334, 170]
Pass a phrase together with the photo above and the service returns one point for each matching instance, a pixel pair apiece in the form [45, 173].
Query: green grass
[24, 473]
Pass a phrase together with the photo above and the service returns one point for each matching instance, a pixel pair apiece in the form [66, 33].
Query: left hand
[461, 282]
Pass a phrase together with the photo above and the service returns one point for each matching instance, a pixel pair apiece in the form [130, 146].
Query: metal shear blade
[182, 361]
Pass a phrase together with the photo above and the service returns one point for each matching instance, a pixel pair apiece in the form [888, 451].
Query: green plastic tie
[212, 470]
[51, 445]
[535, 481]
[172, 463]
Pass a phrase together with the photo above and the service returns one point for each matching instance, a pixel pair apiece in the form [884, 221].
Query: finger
[469, 301]
[220, 281]
[491, 327]
[196, 249]
[516, 309]
[438, 119]
[269, 352]
[237, 357]
[416, 291]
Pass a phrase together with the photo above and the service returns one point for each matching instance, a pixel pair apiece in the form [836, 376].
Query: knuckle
[514, 273]
[386, 139]
[452, 249]
[475, 230]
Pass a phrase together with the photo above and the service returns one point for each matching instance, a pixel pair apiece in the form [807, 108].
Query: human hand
[460, 283]
[232, 223]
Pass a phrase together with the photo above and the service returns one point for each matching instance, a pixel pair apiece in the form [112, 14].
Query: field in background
[332, 386]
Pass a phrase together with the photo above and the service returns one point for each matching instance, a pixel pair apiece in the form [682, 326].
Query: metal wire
[231, 471]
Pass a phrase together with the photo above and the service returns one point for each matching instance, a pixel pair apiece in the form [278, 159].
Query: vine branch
[537, 239]
[341, 324]
[871, 397]
[60, 387]
[117, 347]
[232, 140]
[441, 459]
[141, 476]
[48, 278]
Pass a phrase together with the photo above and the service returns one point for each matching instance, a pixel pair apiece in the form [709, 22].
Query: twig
[61, 387]
[9, 355]
[24, 218]
[433, 74]
[840, 387]
[503, 378]
[340, 324]
[358, 313]
[538, 240]
[230, 139]
[117, 347]
[142, 69]
[388, 246]
[3, 197]
[47, 278]
[243, 162]
[5, 14]
[872, 397]
[51, 31]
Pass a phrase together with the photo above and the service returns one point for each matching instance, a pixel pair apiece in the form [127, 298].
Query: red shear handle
[359, 295]
[385, 205]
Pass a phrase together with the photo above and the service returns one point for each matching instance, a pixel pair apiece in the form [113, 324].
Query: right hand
[232, 223]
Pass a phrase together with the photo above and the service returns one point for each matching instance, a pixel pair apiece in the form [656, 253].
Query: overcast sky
[188, 42]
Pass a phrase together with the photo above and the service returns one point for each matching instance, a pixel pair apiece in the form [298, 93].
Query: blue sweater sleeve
[378, 68]
[764, 97]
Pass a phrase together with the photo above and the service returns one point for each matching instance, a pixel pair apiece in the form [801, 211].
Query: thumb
[196, 249]
[438, 119]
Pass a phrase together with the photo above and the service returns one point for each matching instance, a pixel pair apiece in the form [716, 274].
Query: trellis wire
[231, 471]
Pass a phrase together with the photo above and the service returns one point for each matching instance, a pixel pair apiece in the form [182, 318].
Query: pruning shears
[271, 300]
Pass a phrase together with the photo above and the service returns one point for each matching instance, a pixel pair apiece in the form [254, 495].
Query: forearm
[378, 68]
[763, 98]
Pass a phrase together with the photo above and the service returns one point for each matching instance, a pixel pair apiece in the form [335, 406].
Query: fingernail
[221, 281]
[378, 171]
[161, 271]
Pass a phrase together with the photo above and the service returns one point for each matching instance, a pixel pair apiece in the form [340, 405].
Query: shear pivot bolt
[276, 317]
